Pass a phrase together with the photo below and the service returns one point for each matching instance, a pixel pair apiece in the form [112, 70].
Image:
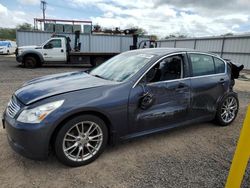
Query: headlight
[37, 114]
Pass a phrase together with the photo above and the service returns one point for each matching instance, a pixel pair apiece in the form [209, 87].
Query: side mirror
[147, 98]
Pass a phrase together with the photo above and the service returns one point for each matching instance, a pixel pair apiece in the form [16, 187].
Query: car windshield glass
[121, 67]
[3, 43]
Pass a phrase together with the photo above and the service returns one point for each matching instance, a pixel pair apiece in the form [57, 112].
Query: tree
[228, 34]
[154, 37]
[7, 34]
[97, 28]
[177, 35]
[24, 27]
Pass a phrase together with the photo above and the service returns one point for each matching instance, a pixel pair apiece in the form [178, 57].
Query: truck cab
[52, 50]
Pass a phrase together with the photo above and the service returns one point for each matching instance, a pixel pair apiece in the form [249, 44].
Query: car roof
[165, 51]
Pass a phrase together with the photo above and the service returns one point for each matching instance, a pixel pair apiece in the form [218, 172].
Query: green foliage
[24, 27]
[7, 34]
[154, 37]
[10, 33]
[228, 34]
[177, 35]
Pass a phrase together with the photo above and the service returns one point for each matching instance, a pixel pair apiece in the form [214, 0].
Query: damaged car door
[209, 83]
[162, 97]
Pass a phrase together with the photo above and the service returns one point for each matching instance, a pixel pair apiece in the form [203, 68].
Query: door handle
[45, 54]
[62, 50]
[181, 85]
[222, 81]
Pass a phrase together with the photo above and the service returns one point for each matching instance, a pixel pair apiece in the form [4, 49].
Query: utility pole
[43, 7]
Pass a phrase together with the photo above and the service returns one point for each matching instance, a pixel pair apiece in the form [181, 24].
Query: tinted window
[202, 64]
[219, 66]
[56, 43]
[169, 68]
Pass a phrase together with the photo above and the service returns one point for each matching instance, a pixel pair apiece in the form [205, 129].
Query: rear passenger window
[219, 66]
[202, 64]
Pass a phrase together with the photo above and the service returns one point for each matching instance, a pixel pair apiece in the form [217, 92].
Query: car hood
[51, 85]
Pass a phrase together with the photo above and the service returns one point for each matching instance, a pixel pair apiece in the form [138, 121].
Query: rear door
[54, 50]
[209, 82]
[169, 89]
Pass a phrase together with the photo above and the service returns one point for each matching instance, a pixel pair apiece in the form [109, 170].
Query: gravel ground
[198, 155]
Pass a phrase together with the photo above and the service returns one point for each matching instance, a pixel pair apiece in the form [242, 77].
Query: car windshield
[3, 43]
[121, 67]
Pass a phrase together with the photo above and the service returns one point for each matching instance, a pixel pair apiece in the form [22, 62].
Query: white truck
[57, 50]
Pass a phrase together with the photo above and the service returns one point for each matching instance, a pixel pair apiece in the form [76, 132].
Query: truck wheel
[81, 140]
[227, 110]
[30, 62]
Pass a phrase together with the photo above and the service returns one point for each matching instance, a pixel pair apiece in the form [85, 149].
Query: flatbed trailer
[93, 58]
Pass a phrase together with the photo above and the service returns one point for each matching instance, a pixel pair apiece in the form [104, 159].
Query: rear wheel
[81, 140]
[227, 110]
[30, 62]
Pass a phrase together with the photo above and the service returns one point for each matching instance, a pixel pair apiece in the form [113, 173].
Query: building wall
[236, 48]
[89, 43]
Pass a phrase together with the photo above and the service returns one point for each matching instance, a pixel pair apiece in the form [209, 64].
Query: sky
[193, 18]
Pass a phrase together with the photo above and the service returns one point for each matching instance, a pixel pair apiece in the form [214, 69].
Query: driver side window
[170, 68]
[55, 43]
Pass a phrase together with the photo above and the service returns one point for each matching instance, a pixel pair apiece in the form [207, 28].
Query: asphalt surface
[195, 156]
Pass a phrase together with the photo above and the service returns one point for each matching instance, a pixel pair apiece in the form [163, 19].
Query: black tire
[30, 62]
[220, 117]
[70, 127]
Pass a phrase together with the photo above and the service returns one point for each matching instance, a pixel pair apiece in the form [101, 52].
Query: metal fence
[89, 42]
[236, 48]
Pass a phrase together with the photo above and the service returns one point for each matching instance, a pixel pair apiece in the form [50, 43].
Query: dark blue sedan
[135, 93]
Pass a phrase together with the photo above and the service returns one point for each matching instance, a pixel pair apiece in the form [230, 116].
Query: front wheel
[81, 140]
[30, 62]
[227, 110]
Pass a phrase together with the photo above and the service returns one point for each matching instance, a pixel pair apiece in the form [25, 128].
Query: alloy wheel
[229, 109]
[82, 141]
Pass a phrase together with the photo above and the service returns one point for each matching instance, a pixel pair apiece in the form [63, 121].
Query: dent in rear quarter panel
[206, 91]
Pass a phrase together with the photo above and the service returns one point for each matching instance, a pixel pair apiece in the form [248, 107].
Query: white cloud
[3, 10]
[29, 2]
[164, 17]
[11, 18]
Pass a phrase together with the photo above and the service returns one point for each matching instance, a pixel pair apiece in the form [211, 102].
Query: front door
[162, 98]
[54, 51]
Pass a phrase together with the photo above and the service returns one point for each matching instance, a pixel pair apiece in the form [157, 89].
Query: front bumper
[29, 140]
[3, 51]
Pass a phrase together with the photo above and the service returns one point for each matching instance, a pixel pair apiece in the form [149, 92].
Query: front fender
[32, 52]
[113, 137]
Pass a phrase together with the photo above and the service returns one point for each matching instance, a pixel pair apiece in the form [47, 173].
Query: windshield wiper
[98, 76]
